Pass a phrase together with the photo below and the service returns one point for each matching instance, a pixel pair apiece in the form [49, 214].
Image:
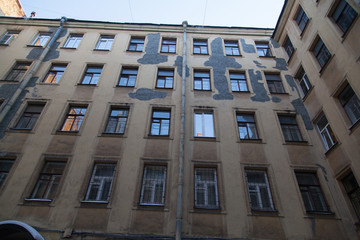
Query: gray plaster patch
[219, 63]
[301, 110]
[258, 87]
[258, 64]
[151, 51]
[276, 99]
[290, 80]
[145, 94]
[281, 64]
[275, 43]
[248, 48]
[178, 64]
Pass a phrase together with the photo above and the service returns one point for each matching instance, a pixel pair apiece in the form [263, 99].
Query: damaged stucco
[248, 48]
[145, 94]
[151, 51]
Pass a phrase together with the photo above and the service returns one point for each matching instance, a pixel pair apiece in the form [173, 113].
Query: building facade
[11, 8]
[145, 131]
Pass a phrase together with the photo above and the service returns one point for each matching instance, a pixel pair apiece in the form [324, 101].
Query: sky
[233, 13]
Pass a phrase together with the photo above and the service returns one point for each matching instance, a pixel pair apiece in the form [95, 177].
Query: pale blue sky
[239, 13]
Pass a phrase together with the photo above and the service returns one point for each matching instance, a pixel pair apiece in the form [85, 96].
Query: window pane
[100, 183]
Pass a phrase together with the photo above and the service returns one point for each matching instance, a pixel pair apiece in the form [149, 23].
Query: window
[350, 103]
[8, 37]
[168, 45]
[202, 80]
[41, 39]
[55, 73]
[353, 191]
[311, 193]
[238, 82]
[73, 41]
[289, 48]
[301, 19]
[274, 83]
[48, 182]
[344, 15]
[326, 133]
[91, 76]
[232, 48]
[105, 42]
[128, 77]
[259, 190]
[204, 124]
[153, 185]
[74, 119]
[117, 121]
[304, 81]
[165, 78]
[136, 44]
[160, 123]
[290, 128]
[321, 52]
[206, 189]
[29, 116]
[100, 183]
[247, 126]
[5, 166]
[263, 49]
[200, 46]
[18, 71]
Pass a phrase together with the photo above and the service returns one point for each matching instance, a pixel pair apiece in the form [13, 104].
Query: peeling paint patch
[178, 64]
[151, 51]
[219, 63]
[281, 64]
[276, 99]
[323, 169]
[258, 87]
[248, 48]
[274, 43]
[258, 64]
[290, 80]
[301, 110]
[145, 94]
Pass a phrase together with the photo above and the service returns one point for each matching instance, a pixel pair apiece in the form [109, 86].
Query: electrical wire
[206, 1]
[132, 19]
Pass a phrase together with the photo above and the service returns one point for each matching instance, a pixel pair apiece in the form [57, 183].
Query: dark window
[200, 46]
[231, 48]
[168, 45]
[206, 189]
[353, 191]
[274, 83]
[91, 76]
[117, 121]
[74, 119]
[290, 128]
[160, 123]
[311, 193]
[136, 44]
[5, 166]
[304, 81]
[289, 48]
[301, 19]
[55, 73]
[100, 183]
[48, 182]
[165, 78]
[8, 37]
[73, 41]
[247, 126]
[18, 72]
[325, 131]
[238, 82]
[263, 49]
[153, 185]
[344, 15]
[321, 52]
[105, 42]
[350, 103]
[202, 80]
[128, 77]
[29, 116]
[41, 39]
[259, 190]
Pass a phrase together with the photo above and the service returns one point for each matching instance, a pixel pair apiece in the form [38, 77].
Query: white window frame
[75, 38]
[100, 181]
[203, 124]
[202, 185]
[43, 38]
[326, 132]
[8, 37]
[107, 39]
[152, 183]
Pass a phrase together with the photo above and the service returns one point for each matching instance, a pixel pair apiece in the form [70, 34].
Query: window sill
[303, 31]
[9, 81]
[36, 46]
[118, 86]
[71, 48]
[300, 143]
[43, 200]
[239, 92]
[233, 55]
[60, 132]
[87, 85]
[206, 210]
[267, 213]
[307, 94]
[353, 127]
[156, 207]
[258, 140]
[201, 54]
[331, 149]
[101, 50]
[202, 90]
[270, 57]
[173, 53]
[94, 204]
[320, 215]
[279, 93]
[158, 137]
[169, 89]
[291, 57]
[44, 83]
[108, 134]
[322, 70]
[207, 139]
[22, 130]
[4, 44]
[133, 51]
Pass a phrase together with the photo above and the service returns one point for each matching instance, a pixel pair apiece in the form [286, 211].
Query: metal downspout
[182, 145]
[30, 74]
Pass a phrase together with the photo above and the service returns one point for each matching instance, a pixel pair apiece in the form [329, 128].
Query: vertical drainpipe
[30, 74]
[182, 145]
